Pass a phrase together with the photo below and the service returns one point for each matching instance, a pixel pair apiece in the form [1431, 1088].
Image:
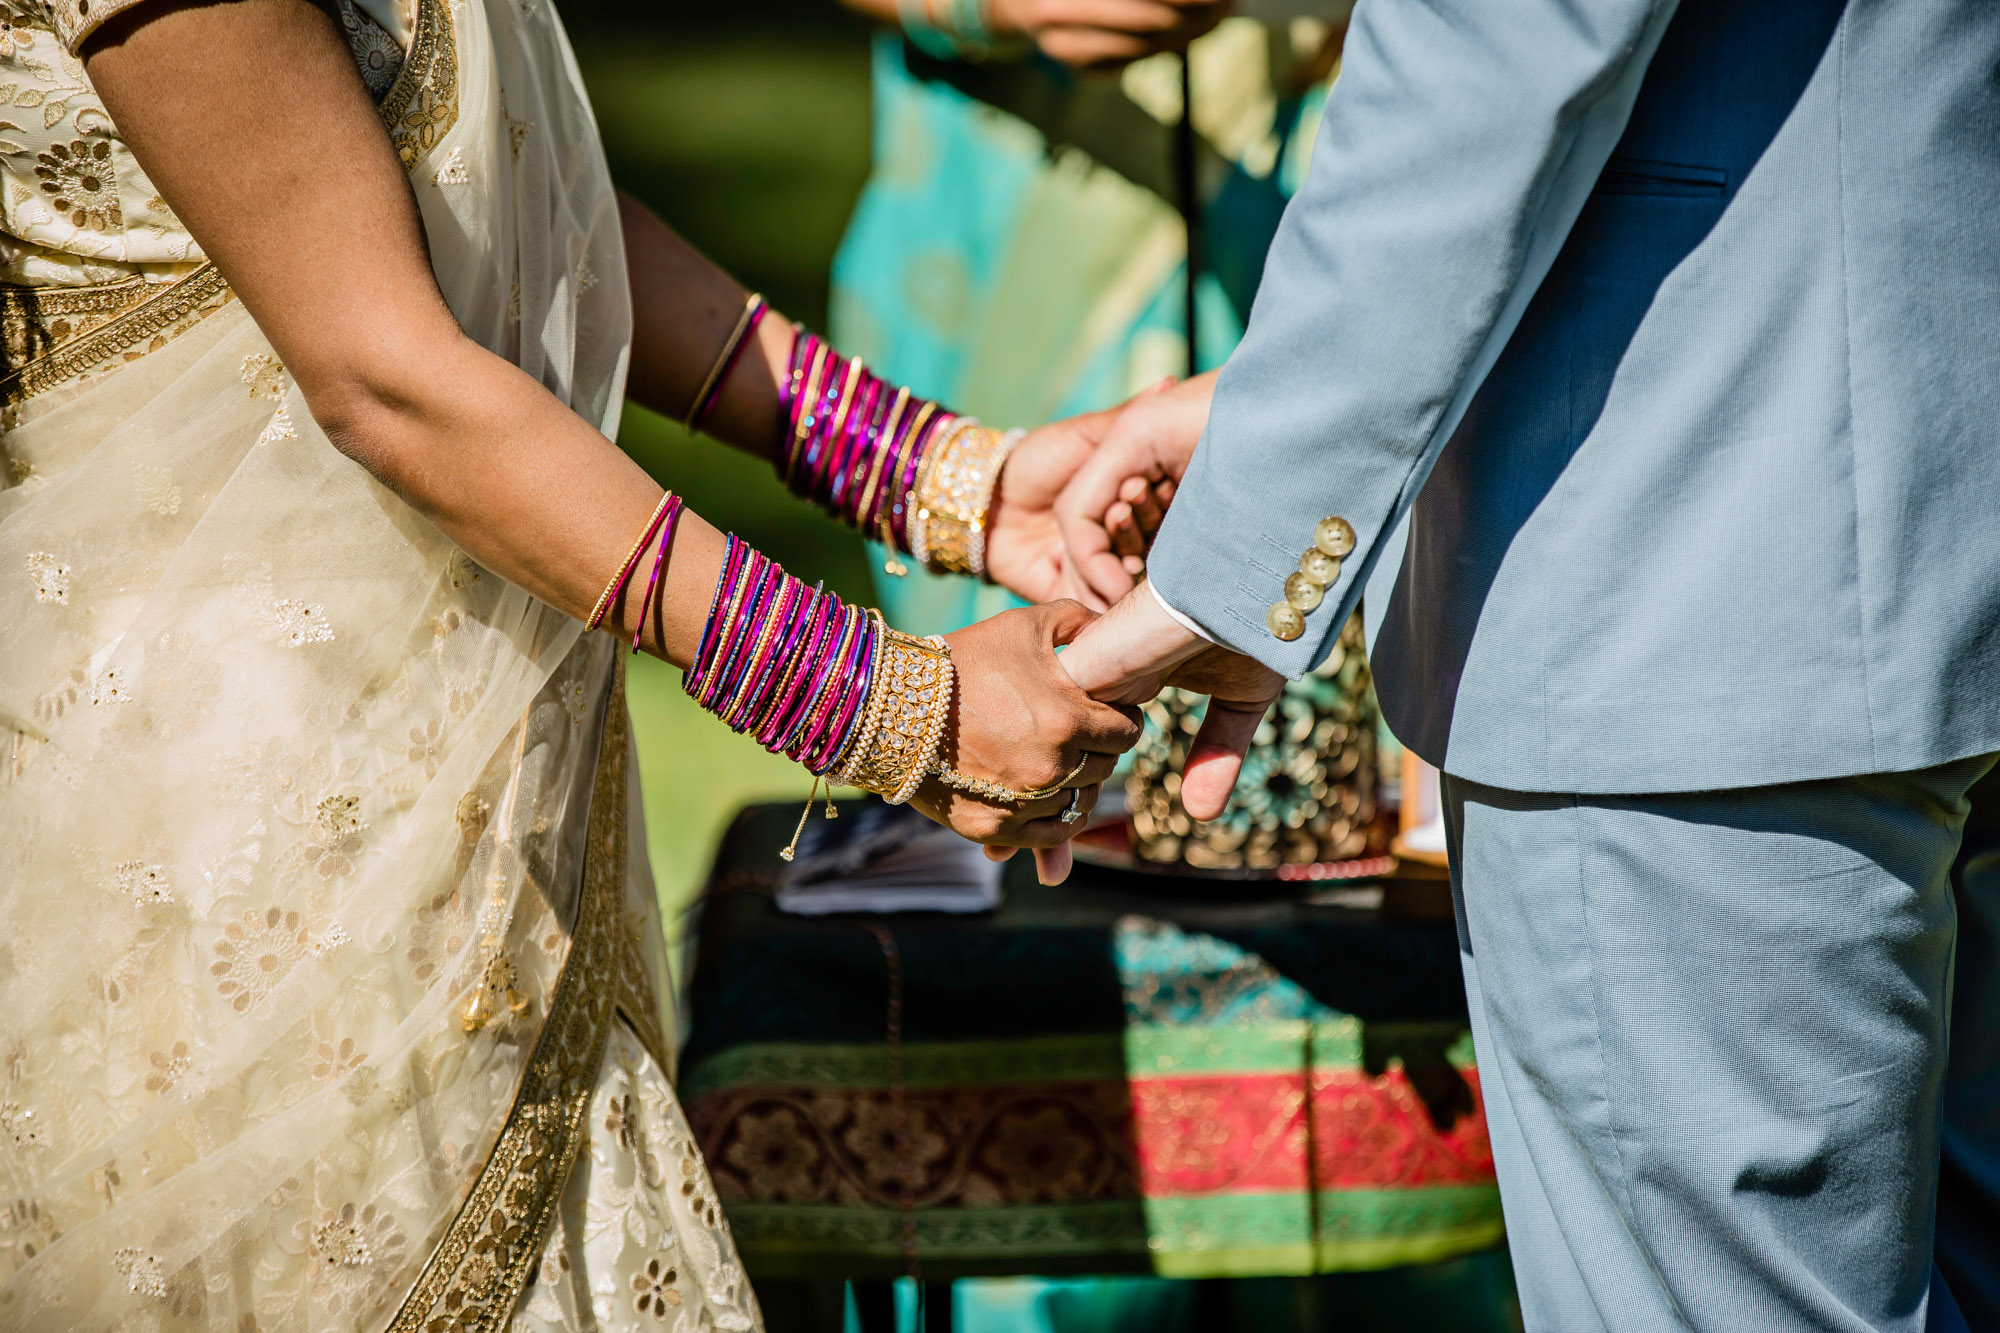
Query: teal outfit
[1006, 271]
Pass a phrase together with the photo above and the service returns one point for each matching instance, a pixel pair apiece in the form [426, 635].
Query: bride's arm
[251, 120]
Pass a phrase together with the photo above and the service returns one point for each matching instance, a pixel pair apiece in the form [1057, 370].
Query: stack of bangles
[829, 685]
[875, 456]
[889, 463]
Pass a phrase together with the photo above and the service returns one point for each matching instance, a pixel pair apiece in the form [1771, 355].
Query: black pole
[1190, 202]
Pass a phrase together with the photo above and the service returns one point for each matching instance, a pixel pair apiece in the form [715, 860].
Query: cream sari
[330, 968]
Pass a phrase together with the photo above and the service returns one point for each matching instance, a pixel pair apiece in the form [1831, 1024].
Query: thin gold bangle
[625, 565]
[854, 369]
[891, 563]
[882, 454]
[810, 397]
[722, 358]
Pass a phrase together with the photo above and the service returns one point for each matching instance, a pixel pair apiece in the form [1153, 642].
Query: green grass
[754, 148]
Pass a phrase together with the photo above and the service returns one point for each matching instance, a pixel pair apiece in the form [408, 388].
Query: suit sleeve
[1460, 143]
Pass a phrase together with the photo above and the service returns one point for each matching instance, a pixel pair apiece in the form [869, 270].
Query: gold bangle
[933, 736]
[854, 369]
[891, 564]
[913, 677]
[882, 454]
[957, 493]
[722, 359]
[625, 565]
[810, 396]
[917, 521]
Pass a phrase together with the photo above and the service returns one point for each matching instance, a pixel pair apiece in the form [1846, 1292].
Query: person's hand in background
[1097, 34]
[1113, 504]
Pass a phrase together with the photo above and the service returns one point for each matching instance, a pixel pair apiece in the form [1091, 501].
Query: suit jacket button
[1335, 536]
[1303, 593]
[1318, 566]
[1287, 622]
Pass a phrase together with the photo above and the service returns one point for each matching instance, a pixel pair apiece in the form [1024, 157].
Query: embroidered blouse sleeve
[75, 20]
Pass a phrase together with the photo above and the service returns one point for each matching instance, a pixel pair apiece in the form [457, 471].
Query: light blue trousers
[1712, 1033]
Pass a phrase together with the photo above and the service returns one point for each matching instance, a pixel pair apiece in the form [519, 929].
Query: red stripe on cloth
[1242, 1133]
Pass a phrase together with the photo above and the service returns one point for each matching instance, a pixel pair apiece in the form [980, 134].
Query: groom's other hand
[1113, 504]
[1127, 655]
[1021, 722]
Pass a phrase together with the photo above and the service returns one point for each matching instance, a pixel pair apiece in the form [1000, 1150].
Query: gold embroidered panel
[423, 102]
[84, 328]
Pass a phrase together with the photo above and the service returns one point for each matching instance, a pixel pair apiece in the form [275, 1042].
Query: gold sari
[330, 965]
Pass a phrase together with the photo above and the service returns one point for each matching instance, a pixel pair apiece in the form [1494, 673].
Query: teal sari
[996, 261]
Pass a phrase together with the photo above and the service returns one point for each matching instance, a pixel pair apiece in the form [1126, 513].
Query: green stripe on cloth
[925, 1064]
[1249, 1234]
[1139, 1052]
[1218, 1236]
[1266, 1048]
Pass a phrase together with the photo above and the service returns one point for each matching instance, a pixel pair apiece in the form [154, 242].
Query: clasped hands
[1076, 506]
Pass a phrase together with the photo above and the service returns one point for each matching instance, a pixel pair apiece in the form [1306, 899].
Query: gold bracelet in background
[956, 492]
[720, 367]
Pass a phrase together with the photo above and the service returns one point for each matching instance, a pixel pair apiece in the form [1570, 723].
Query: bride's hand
[1020, 721]
[1025, 533]
[1024, 544]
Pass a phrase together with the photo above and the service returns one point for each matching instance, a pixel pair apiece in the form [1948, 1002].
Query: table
[1125, 1073]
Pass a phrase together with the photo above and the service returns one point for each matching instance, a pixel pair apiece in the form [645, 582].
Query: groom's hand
[1112, 505]
[1133, 650]
[1020, 721]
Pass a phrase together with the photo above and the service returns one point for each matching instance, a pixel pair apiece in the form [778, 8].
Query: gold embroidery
[280, 427]
[158, 316]
[453, 171]
[51, 578]
[298, 623]
[264, 375]
[78, 179]
[143, 1273]
[154, 489]
[254, 954]
[422, 104]
[143, 884]
[34, 320]
[474, 1278]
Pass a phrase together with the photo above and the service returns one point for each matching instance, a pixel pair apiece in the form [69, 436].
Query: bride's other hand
[1113, 504]
[1024, 543]
[1020, 721]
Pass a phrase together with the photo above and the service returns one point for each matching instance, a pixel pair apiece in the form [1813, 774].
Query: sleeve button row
[1319, 567]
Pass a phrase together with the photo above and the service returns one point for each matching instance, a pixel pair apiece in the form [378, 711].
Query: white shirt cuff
[1183, 621]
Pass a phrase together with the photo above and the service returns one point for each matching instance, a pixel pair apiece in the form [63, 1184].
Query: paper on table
[886, 858]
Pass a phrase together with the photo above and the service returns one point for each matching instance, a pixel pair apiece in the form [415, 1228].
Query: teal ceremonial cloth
[1017, 278]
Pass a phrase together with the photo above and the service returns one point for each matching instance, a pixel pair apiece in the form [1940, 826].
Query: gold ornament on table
[1308, 790]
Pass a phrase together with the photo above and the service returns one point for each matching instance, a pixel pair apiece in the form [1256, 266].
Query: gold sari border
[475, 1276]
[147, 326]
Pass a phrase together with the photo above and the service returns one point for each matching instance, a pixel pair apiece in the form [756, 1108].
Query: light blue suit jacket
[1675, 332]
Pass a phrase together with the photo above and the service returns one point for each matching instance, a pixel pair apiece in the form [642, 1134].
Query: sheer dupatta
[316, 891]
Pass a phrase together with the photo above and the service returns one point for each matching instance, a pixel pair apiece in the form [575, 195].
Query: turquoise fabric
[968, 211]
